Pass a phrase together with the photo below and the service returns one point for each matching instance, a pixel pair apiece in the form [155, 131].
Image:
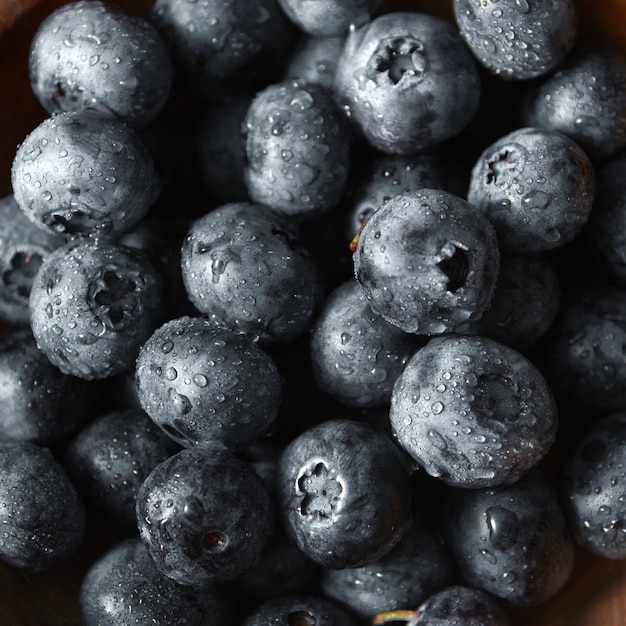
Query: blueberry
[124, 586]
[205, 516]
[329, 17]
[511, 541]
[221, 48]
[39, 403]
[473, 412]
[202, 384]
[93, 55]
[314, 59]
[591, 484]
[356, 354]
[407, 82]
[23, 247]
[385, 176]
[245, 268]
[518, 40]
[583, 356]
[585, 99]
[92, 305]
[452, 606]
[297, 149]
[81, 173]
[427, 262]
[42, 517]
[525, 302]
[415, 569]
[109, 459]
[537, 188]
[344, 493]
[298, 610]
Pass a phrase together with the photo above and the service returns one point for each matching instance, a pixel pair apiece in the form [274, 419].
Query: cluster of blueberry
[323, 393]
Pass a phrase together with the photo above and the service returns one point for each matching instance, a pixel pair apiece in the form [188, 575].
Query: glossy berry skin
[297, 149]
[109, 459]
[518, 40]
[407, 82]
[222, 48]
[124, 586]
[536, 186]
[298, 610]
[202, 384]
[84, 173]
[591, 485]
[415, 569]
[205, 515]
[427, 262]
[92, 305]
[23, 246]
[356, 355]
[473, 412]
[39, 403]
[93, 55]
[344, 494]
[584, 353]
[525, 302]
[461, 606]
[511, 541]
[314, 59]
[329, 17]
[43, 520]
[585, 99]
[246, 269]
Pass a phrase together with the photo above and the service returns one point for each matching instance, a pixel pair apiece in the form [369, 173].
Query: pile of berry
[302, 301]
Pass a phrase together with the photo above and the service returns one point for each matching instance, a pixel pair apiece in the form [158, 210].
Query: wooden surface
[596, 593]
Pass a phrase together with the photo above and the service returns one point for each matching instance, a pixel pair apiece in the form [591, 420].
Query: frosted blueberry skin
[518, 40]
[43, 519]
[344, 494]
[511, 541]
[606, 228]
[525, 302]
[297, 149]
[329, 17]
[427, 262]
[82, 173]
[93, 55]
[536, 186]
[583, 356]
[125, 586]
[202, 384]
[585, 99]
[244, 267]
[473, 412]
[23, 246]
[385, 176]
[109, 459]
[39, 403]
[314, 59]
[205, 516]
[221, 48]
[298, 610]
[407, 82]
[591, 485]
[92, 305]
[356, 355]
[415, 569]
[461, 606]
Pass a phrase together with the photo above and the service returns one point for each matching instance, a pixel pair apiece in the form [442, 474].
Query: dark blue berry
[94, 55]
[427, 262]
[93, 304]
[314, 60]
[473, 412]
[344, 493]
